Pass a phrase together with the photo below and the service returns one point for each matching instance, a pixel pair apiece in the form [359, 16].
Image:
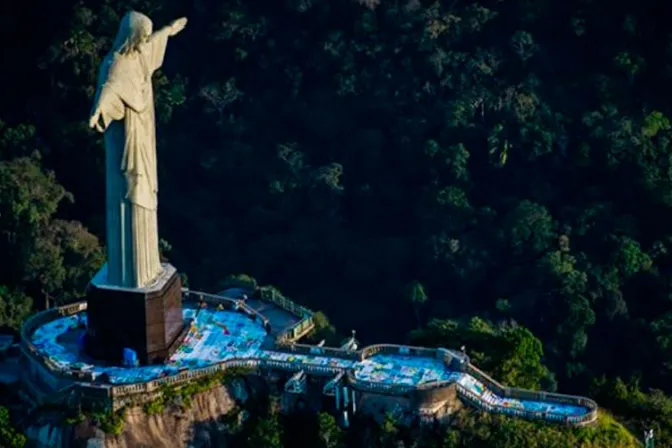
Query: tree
[513, 156]
[9, 436]
[511, 353]
[266, 433]
[28, 197]
[45, 257]
[243, 281]
[323, 330]
[522, 365]
[417, 297]
[389, 431]
[331, 436]
[14, 308]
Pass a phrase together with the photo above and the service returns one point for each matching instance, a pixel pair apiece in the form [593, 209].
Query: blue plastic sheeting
[403, 370]
[475, 386]
[216, 336]
[130, 358]
[308, 360]
[58, 340]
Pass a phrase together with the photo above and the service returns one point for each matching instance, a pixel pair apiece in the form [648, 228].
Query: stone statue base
[147, 320]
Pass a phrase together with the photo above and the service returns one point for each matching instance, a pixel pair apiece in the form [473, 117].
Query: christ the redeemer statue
[124, 111]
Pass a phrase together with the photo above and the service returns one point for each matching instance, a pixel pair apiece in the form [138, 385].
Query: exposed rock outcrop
[199, 425]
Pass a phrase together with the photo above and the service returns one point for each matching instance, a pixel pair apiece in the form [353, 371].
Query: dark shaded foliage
[385, 162]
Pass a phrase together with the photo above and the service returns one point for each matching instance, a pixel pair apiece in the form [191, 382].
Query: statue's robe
[126, 102]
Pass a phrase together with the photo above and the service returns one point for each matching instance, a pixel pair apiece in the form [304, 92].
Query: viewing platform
[229, 332]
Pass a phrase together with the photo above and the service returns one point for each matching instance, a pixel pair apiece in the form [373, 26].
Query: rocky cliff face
[199, 425]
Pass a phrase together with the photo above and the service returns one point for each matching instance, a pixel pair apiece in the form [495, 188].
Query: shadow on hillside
[211, 433]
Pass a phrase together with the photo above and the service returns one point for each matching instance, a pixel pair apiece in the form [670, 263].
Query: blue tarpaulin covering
[130, 358]
[218, 335]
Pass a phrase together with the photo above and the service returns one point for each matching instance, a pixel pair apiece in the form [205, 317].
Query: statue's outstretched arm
[170, 30]
[156, 45]
[177, 26]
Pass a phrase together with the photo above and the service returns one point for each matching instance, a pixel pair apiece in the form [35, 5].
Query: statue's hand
[94, 121]
[178, 25]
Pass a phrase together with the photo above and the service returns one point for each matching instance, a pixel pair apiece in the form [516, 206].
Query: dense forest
[465, 170]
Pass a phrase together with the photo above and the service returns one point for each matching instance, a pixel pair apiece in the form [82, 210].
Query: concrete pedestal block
[147, 320]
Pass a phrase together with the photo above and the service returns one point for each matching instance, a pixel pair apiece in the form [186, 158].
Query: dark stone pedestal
[147, 320]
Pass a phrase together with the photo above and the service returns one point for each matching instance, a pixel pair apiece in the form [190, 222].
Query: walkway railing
[37, 320]
[528, 395]
[453, 361]
[381, 388]
[403, 350]
[183, 377]
[487, 381]
[313, 350]
[228, 303]
[394, 349]
[480, 403]
[299, 329]
[271, 294]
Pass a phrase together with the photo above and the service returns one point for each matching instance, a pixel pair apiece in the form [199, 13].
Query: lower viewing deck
[219, 335]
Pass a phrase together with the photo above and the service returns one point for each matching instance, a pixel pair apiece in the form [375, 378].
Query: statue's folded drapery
[126, 104]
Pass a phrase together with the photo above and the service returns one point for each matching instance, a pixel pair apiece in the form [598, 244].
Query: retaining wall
[51, 376]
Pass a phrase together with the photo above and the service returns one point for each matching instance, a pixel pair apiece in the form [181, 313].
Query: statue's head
[134, 30]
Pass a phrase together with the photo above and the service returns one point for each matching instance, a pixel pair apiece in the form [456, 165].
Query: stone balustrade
[296, 331]
[116, 395]
[484, 378]
[312, 350]
[529, 395]
[271, 294]
[181, 378]
[478, 402]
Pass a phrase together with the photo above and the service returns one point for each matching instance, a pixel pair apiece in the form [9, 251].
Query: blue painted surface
[403, 370]
[476, 387]
[217, 336]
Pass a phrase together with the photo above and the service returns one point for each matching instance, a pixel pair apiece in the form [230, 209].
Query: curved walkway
[218, 336]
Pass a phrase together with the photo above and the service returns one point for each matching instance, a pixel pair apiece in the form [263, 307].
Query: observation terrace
[227, 332]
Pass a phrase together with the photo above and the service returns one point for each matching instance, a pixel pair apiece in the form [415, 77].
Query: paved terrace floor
[216, 336]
